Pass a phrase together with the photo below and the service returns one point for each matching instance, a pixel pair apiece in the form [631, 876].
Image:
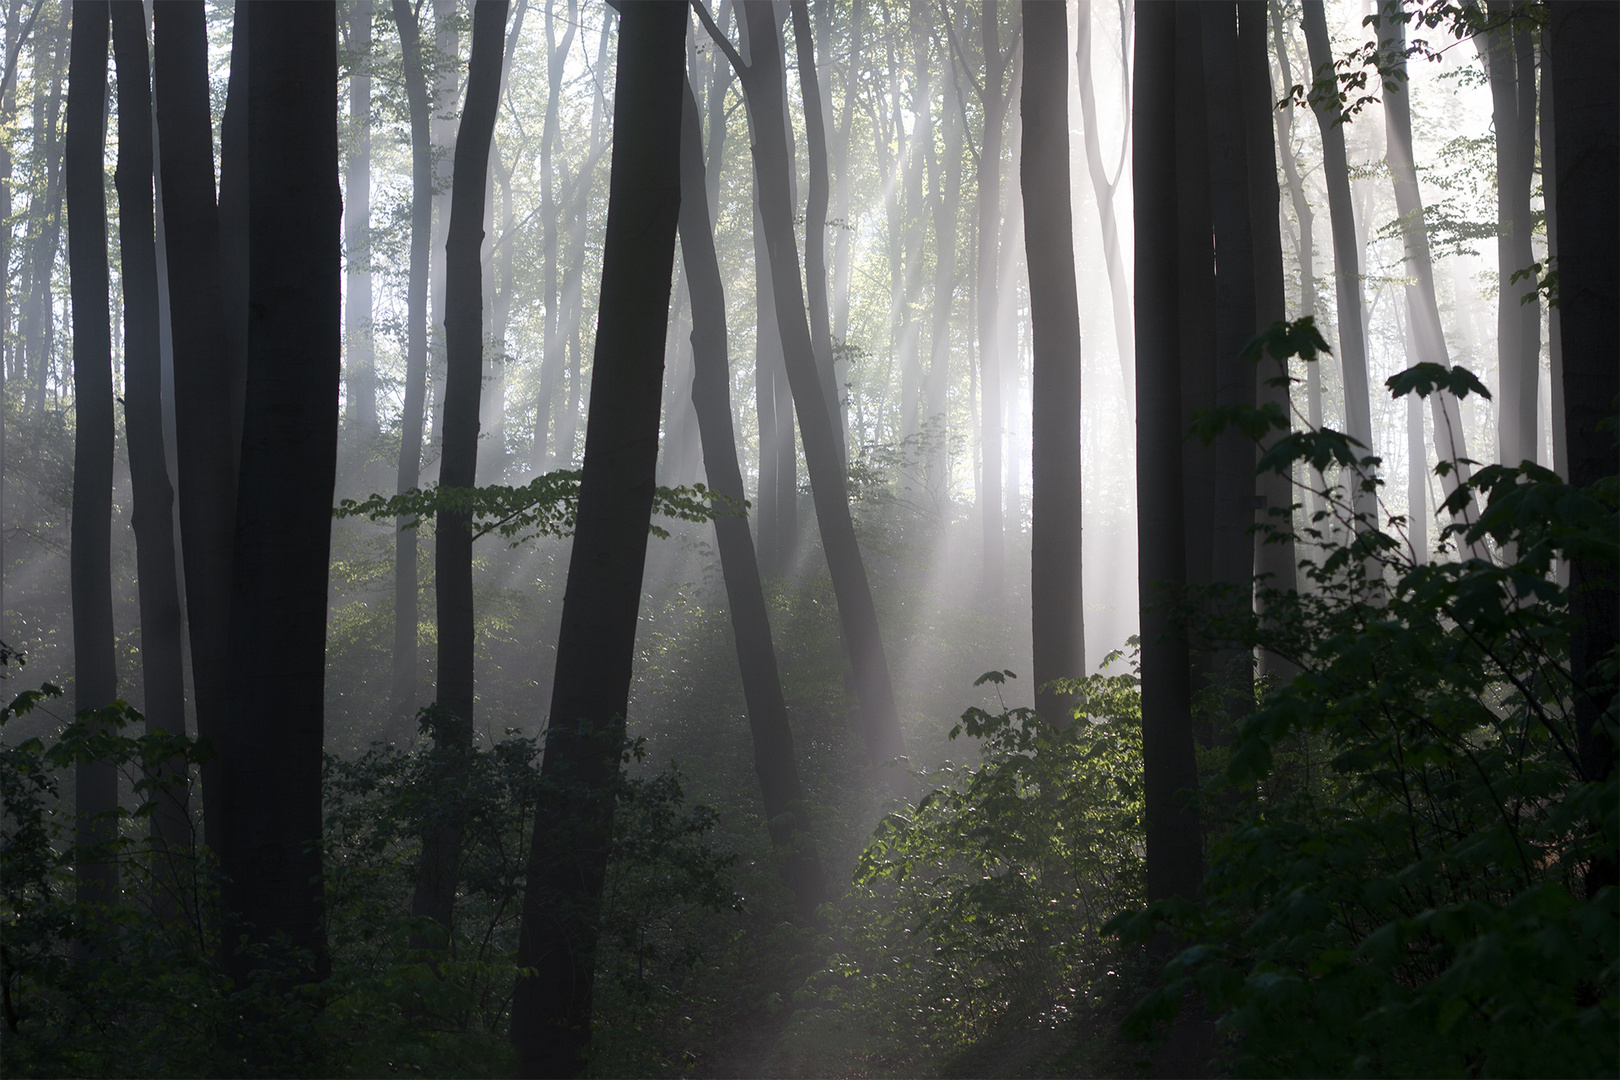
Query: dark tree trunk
[994, 100]
[863, 641]
[1113, 258]
[1232, 548]
[204, 380]
[271, 851]
[416, 349]
[1588, 185]
[776, 516]
[551, 1012]
[786, 815]
[458, 460]
[1174, 846]
[95, 673]
[361, 378]
[815, 221]
[1275, 560]
[1056, 605]
[153, 517]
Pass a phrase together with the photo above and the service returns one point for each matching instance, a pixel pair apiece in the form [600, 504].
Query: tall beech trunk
[458, 461]
[994, 100]
[409, 471]
[843, 247]
[1346, 247]
[776, 517]
[153, 517]
[1119, 286]
[205, 382]
[1174, 844]
[1276, 560]
[271, 852]
[1232, 546]
[573, 825]
[95, 672]
[945, 197]
[863, 641]
[1587, 177]
[815, 221]
[1423, 312]
[360, 379]
[1056, 602]
[551, 341]
[786, 815]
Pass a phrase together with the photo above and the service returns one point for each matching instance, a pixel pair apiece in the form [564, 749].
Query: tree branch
[720, 39]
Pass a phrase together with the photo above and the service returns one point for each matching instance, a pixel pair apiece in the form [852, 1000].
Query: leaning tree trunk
[271, 852]
[573, 825]
[1174, 845]
[95, 673]
[416, 358]
[786, 815]
[206, 447]
[1056, 606]
[458, 461]
[829, 486]
[153, 517]
[1588, 182]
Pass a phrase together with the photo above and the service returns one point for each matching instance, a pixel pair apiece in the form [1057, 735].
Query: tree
[271, 752]
[360, 380]
[458, 461]
[95, 672]
[153, 517]
[762, 82]
[815, 219]
[551, 1009]
[786, 815]
[1056, 598]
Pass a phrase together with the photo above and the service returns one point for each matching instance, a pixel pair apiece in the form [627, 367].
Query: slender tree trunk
[272, 757]
[815, 221]
[38, 315]
[551, 1013]
[1232, 550]
[775, 499]
[446, 92]
[946, 197]
[1056, 601]
[863, 641]
[551, 342]
[786, 815]
[205, 383]
[843, 249]
[416, 357]
[1274, 557]
[360, 388]
[1119, 286]
[153, 517]
[994, 101]
[458, 460]
[1586, 117]
[95, 673]
[1549, 196]
[1174, 844]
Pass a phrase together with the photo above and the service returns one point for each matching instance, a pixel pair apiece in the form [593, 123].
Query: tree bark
[1056, 596]
[360, 387]
[153, 495]
[271, 854]
[786, 815]
[1119, 287]
[38, 321]
[551, 342]
[815, 221]
[1588, 185]
[1174, 844]
[409, 472]
[551, 1014]
[205, 383]
[863, 641]
[993, 99]
[95, 672]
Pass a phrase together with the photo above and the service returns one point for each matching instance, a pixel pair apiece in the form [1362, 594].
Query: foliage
[1399, 884]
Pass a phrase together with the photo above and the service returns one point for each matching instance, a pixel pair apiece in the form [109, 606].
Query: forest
[804, 538]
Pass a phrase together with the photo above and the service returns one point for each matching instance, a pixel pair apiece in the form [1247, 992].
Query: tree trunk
[863, 641]
[1274, 557]
[551, 1012]
[458, 460]
[843, 248]
[946, 185]
[815, 221]
[38, 322]
[153, 516]
[95, 673]
[360, 387]
[1056, 603]
[1549, 198]
[786, 815]
[551, 341]
[416, 357]
[993, 98]
[1119, 287]
[205, 383]
[272, 756]
[1174, 845]
[1588, 185]
[1232, 548]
